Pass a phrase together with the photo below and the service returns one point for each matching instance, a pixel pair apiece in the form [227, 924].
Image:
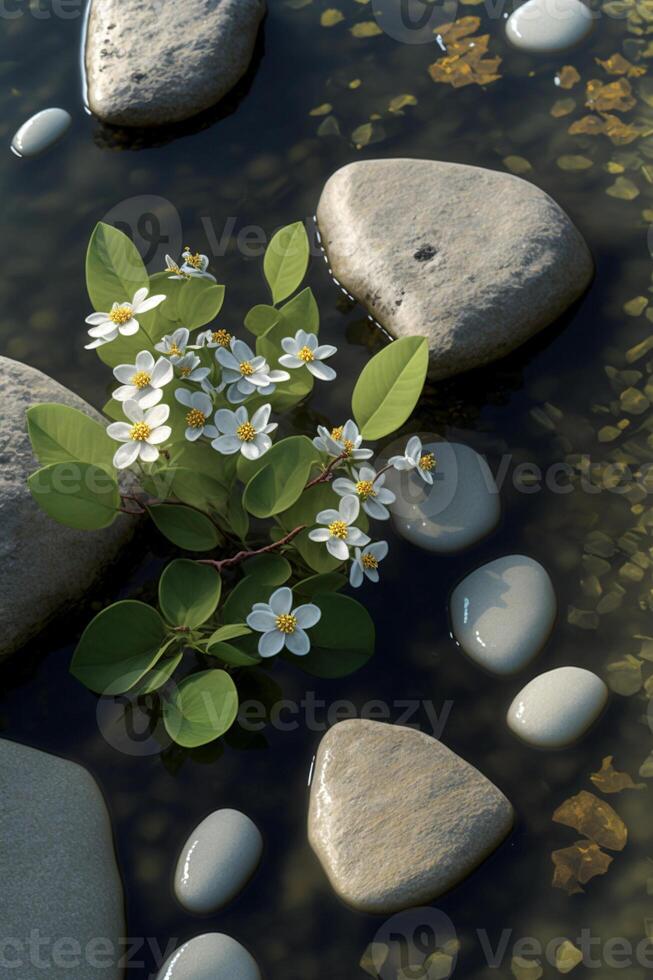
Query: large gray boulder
[396, 818]
[153, 62]
[43, 565]
[61, 901]
[476, 261]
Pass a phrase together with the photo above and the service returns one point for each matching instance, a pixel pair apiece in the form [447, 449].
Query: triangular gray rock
[43, 565]
[474, 260]
[152, 63]
[397, 818]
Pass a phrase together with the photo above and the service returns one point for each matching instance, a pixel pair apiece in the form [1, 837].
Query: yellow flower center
[427, 462]
[185, 371]
[306, 355]
[140, 432]
[174, 269]
[195, 419]
[246, 432]
[347, 447]
[286, 623]
[365, 489]
[338, 530]
[222, 338]
[194, 260]
[141, 379]
[121, 315]
[246, 369]
[337, 433]
[174, 351]
[369, 561]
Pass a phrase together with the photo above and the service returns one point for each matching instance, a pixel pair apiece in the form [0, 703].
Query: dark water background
[264, 165]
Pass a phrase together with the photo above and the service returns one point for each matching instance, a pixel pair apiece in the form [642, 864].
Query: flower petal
[298, 643]
[120, 431]
[262, 622]
[307, 615]
[227, 445]
[356, 575]
[349, 508]
[281, 601]
[321, 371]
[338, 548]
[271, 643]
[126, 454]
[319, 534]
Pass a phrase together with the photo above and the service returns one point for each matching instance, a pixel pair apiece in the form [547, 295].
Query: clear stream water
[258, 161]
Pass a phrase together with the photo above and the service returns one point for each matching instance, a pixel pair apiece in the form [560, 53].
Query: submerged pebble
[461, 507]
[40, 132]
[217, 860]
[212, 956]
[549, 26]
[557, 707]
[503, 613]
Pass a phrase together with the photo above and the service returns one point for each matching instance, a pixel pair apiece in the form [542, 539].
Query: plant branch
[244, 555]
[327, 472]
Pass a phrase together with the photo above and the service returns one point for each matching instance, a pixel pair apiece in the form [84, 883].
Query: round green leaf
[343, 640]
[239, 604]
[271, 569]
[114, 268]
[199, 302]
[189, 486]
[230, 632]
[203, 708]
[159, 676]
[118, 647]
[61, 434]
[389, 387]
[189, 593]
[286, 260]
[79, 495]
[261, 318]
[186, 528]
[231, 655]
[282, 477]
[319, 584]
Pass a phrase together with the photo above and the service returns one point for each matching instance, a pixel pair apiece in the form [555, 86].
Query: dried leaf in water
[518, 165]
[568, 957]
[368, 133]
[331, 17]
[322, 110]
[611, 97]
[646, 768]
[619, 132]
[570, 162]
[329, 127]
[587, 126]
[465, 62]
[623, 189]
[635, 306]
[608, 780]
[595, 818]
[374, 958]
[567, 77]
[438, 966]
[616, 64]
[625, 676]
[367, 28]
[400, 102]
[578, 864]
[523, 969]
[562, 107]
[355, 83]
[452, 32]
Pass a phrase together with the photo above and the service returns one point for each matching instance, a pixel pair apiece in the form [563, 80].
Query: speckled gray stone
[217, 861]
[556, 708]
[396, 818]
[474, 260]
[549, 26]
[461, 507]
[43, 565]
[503, 613]
[58, 871]
[151, 63]
[212, 956]
[40, 132]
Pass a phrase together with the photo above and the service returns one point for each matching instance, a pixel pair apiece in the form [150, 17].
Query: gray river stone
[396, 818]
[149, 64]
[212, 956]
[556, 708]
[40, 132]
[43, 565]
[217, 861]
[549, 26]
[476, 261]
[461, 507]
[503, 613]
[58, 870]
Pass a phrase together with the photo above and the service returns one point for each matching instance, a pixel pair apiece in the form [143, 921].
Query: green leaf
[286, 260]
[159, 676]
[261, 318]
[310, 503]
[389, 387]
[199, 302]
[249, 590]
[114, 269]
[188, 486]
[237, 516]
[118, 647]
[189, 593]
[319, 584]
[299, 313]
[281, 478]
[62, 434]
[271, 569]
[186, 528]
[79, 495]
[202, 709]
[231, 655]
[231, 632]
[343, 640]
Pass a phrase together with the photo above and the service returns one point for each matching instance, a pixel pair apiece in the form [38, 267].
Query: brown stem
[327, 472]
[244, 555]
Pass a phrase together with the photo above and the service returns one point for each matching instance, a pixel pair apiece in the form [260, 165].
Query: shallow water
[263, 165]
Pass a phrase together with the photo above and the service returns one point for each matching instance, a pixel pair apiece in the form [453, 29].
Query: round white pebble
[549, 26]
[503, 613]
[212, 956]
[556, 708]
[217, 860]
[40, 132]
[460, 508]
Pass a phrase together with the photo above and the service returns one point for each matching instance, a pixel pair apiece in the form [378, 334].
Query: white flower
[213, 339]
[172, 267]
[302, 350]
[415, 459]
[195, 265]
[240, 434]
[188, 368]
[369, 489]
[142, 437]
[366, 563]
[338, 534]
[199, 407]
[246, 373]
[174, 345]
[281, 625]
[105, 327]
[343, 440]
[143, 381]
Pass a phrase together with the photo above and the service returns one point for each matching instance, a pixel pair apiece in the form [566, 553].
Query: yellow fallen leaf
[367, 28]
[616, 64]
[635, 306]
[613, 96]
[608, 780]
[355, 83]
[568, 957]
[567, 77]
[400, 102]
[587, 126]
[518, 165]
[576, 865]
[321, 110]
[569, 162]
[331, 17]
[523, 969]
[562, 107]
[623, 189]
[595, 818]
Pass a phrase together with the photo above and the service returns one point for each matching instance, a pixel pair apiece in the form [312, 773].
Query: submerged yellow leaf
[569, 162]
[595, 818]
[562, 107]
[518, 165]
[465, 62]
[567, 77]
[623, 189]
[613, 96]
[587, 126]
[400, 102]
[321, 110]
[523, 969]
[608, 780]
[367, 28]
[331, 17]
[616, 64]
[635, 306]
[576, 865]
[568, 957]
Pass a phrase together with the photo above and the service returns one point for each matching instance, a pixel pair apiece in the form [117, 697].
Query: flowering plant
[272, 528]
